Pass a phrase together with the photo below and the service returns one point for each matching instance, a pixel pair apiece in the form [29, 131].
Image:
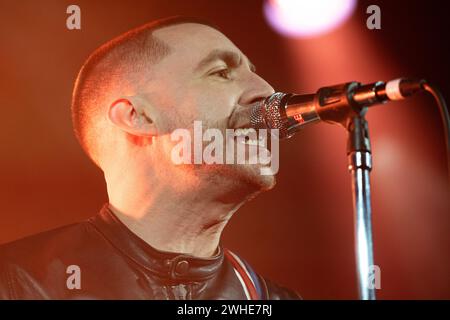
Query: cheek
[201, 101]
[172, 110]
[215, 106]
[200, 107]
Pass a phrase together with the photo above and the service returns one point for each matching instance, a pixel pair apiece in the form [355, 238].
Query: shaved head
[117, 68]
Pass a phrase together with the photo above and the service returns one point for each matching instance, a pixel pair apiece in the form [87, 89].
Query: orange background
[301, 233]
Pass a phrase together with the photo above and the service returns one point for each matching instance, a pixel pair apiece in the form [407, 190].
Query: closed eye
[223, 73]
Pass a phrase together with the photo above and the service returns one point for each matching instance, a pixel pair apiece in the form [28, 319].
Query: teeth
[248, 133]
[254, 143]
[243, 131]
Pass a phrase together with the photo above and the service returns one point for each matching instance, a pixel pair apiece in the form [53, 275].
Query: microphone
[335, 104]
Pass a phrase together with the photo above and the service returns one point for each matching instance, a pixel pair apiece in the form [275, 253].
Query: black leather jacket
[113, 263]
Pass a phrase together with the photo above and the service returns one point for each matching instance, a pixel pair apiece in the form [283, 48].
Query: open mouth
[240, 118]
[239, 122]
[251, 137]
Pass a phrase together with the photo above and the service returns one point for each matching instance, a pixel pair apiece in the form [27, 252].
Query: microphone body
[335, 104]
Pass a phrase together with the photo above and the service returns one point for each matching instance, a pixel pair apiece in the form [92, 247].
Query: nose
[256, 89]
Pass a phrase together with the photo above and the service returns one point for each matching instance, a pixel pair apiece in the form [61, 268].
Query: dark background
[301, 233]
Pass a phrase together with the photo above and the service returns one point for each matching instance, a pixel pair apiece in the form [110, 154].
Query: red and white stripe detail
[243, 275]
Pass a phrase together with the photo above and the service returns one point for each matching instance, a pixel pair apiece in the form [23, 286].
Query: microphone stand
[344, 104]
[360, 164]
[337, 104]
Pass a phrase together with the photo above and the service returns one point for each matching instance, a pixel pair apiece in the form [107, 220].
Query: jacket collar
[167, 265]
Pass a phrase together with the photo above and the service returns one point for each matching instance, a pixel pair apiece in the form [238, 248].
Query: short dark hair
[112, 64]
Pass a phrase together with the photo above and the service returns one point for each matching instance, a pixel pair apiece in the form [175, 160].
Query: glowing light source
[307, 18]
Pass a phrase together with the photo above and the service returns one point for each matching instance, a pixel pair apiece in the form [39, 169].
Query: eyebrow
[231, 58]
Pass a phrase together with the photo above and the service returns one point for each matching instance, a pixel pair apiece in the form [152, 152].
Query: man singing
[158, 237]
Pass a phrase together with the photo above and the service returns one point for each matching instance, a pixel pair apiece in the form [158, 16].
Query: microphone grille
[257, 120]
[268, 114]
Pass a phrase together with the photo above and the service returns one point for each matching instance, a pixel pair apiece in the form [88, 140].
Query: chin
[240, 182]
[265, 182]
[249, 177]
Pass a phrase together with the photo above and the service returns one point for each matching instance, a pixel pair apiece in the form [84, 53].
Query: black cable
[444, 115]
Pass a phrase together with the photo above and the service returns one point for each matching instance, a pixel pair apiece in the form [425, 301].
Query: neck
[183, 220]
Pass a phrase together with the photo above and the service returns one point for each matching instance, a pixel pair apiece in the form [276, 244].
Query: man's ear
[128, 116]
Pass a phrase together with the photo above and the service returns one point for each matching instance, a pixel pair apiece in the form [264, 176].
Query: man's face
[205, 78]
